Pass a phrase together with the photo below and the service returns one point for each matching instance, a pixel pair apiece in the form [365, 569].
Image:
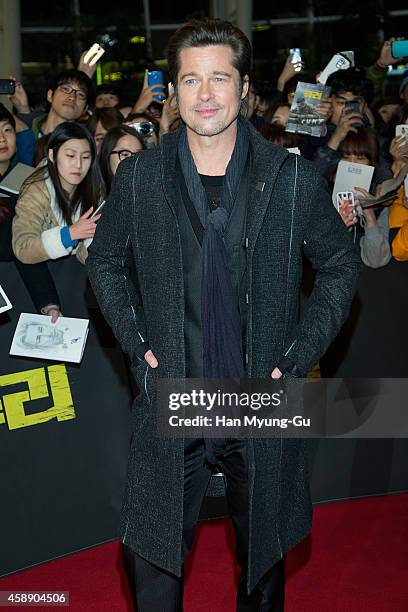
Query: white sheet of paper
[5, 303]
[37, 337]
[350, 175]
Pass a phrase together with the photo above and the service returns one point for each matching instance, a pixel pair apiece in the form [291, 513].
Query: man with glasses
[68, 96]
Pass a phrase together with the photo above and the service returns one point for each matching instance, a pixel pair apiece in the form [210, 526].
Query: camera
[144, 128]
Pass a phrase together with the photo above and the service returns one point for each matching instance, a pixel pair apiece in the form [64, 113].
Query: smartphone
[337, 62]
[155, 77]
[93, 54]
[7, 86]
[98, 210]
[170, 89]
[402, 130]
[399, 48]
[345, 198]
[296, 58]
[352, 107]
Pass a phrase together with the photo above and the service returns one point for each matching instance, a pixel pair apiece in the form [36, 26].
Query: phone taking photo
[93, 54]
[155, 77]
[352, 106]
[7, 87]
[346, 199]
[399, 48]
[296, 58]
[402, 130]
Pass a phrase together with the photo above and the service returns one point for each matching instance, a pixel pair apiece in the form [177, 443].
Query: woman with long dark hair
[53, 212]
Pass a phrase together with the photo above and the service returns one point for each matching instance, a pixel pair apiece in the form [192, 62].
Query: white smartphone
[98, 210]
[296, 58]
[337, 62]
[402, 130]
[93, 54]
[170, 89]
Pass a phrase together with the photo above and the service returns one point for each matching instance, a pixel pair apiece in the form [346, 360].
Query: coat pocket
[141, 374]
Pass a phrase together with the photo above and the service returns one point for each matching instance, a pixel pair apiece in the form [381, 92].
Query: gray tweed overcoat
[289, 212]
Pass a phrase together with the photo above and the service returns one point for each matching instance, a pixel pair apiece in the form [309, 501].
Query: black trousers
[155, 590]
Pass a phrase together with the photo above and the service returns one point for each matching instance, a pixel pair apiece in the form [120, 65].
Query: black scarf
[220, 318]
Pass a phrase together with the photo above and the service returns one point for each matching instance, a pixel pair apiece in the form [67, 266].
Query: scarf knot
[218, 219]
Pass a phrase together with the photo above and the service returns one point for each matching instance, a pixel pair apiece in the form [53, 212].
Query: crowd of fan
[77, 142]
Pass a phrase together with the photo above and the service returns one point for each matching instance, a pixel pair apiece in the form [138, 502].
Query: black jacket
[288, 213]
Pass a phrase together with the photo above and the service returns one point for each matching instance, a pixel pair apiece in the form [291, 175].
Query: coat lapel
[168, 146]
[266, 163]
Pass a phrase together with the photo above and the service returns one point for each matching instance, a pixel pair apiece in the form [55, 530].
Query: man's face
[209, 89]
[68, 100]
[339, 101]
[7, 141]
[42, 336]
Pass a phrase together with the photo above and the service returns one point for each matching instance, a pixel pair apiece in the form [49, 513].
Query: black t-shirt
[213, 189]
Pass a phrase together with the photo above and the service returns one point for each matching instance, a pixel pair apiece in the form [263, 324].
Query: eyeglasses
[124, 153]
[67, 90]
[144, 128]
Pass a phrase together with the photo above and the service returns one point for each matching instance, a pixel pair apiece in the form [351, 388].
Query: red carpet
[355, 561]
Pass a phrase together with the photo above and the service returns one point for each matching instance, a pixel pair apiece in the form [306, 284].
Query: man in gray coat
[215, 223]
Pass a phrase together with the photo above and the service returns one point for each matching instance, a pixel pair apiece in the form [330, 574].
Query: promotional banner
[64, 432]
